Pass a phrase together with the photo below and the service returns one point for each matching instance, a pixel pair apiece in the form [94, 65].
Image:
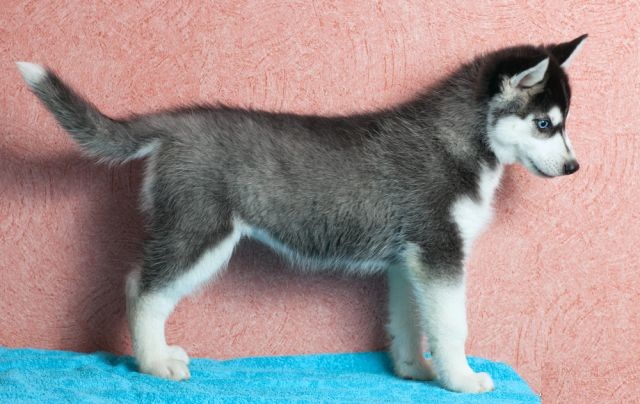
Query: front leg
[405, 329]
[440, 298]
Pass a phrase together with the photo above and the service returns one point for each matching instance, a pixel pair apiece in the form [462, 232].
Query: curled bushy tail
[100, 136]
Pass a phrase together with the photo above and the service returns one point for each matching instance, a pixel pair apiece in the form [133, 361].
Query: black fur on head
[562, 51]
[509, 62]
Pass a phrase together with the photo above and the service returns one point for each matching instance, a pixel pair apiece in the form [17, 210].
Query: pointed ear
[531, 76]
[566, 52]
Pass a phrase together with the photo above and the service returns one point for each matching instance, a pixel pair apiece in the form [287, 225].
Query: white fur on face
[555, 115]
[514, 139]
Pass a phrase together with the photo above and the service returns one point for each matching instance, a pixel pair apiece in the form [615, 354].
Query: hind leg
[404, 329]
[174, 266]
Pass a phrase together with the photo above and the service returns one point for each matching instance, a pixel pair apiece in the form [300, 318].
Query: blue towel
[29, 375]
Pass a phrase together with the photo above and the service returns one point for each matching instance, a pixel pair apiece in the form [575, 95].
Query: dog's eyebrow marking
[555, 115]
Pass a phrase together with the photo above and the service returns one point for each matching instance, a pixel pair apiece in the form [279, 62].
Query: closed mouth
[538, 171]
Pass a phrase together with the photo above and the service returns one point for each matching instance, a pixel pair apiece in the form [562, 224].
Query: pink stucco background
[553, 285]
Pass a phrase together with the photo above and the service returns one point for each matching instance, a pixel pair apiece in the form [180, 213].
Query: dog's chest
[472, 215]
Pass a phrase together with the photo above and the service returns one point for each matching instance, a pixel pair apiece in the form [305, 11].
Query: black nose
[571, 167]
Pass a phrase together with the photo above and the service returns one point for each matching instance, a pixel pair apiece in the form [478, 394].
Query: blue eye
[543, 123]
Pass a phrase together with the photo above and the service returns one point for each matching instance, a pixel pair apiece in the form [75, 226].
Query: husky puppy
[403, 191]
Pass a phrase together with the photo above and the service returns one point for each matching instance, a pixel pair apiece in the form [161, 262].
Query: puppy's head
[529, 99]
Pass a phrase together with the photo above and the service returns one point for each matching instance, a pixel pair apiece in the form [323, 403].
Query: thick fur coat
[405, 190]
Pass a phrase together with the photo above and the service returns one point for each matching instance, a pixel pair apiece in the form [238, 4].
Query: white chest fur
[472, 215]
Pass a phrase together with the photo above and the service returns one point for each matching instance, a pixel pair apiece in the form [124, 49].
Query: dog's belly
[309, 261]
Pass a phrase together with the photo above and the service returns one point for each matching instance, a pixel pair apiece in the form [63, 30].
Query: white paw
[419, 369]
[172, 365]
[167, 368]
[469, 383]
[177, 352]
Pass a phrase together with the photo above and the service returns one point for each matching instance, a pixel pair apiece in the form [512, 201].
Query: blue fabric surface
[29, 375]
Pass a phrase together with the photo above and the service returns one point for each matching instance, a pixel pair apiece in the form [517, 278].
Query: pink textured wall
[553, 285]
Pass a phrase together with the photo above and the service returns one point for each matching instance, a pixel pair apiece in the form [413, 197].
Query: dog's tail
[100, 136]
